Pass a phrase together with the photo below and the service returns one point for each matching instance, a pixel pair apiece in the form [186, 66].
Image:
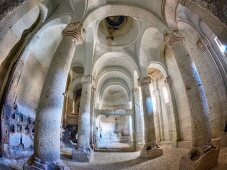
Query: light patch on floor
[131, 161]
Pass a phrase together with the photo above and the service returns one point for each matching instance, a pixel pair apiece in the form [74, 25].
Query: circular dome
[117, 30]
[115, 22]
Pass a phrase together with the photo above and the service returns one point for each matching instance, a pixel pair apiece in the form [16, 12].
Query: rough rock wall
[19, 109]
[212, 86]
[216, 7]
[9, 5]
[17, 128]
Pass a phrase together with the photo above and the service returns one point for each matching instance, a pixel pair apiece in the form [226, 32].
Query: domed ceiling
[117, 30]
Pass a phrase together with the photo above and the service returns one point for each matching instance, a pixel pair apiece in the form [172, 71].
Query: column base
[151, 153]
[139, 147]
[196, 160]
[82, 154]
[37, 164]
[223, 139]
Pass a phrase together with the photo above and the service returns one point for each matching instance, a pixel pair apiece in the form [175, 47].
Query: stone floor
[127, 161]
[222, 163]
[131, 161]
[113, 145]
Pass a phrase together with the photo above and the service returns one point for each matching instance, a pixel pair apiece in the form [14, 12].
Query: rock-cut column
[82, 152]
[200, 120]
[48, 119]
[169, 86]
[92, 117]
[139, 126]
[160, 111]
[151, 149]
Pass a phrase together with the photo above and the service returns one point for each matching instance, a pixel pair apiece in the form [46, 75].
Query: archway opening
[163, 108]
[114, 120]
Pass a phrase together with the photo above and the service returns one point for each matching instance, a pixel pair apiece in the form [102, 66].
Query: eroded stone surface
[205, 161]
[151, 153]
[82, 154]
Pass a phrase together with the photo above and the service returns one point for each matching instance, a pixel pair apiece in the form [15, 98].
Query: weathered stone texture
[216, 7]
[8, 5]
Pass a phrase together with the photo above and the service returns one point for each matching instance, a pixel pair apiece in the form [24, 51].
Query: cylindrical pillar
[151, 149]
[48, 119]
[166, 117]
[200, 120]
[159, 102]
[92, 118]
[157, 114]
[139, 124]
[174, 105]
[82, 152]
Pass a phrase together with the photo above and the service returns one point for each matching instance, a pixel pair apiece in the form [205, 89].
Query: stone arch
[75, 85]
[117, 76]
[113, 65]
[159, 66]
[126, 10]
[33, 56]
[200, 8]
[149, 49]
[169, 12]
[116, 81]
[166, 117]
[208, 37]
[19, 94]
[118, 89]
[109, 70]
[124, 60]
[11, 41]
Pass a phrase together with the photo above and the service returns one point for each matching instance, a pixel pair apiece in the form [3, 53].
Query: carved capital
[174, 38]
[87, 79]
[93, 88]
[135, 90]
[74, 30]
[145, 80]
[169, 81]
[202, 45]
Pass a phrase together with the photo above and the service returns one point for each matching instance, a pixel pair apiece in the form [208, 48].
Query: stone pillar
[82, 152]
[194, 90]
[65, 110]
[157, 114]
[165, 115]
[169, 86]
[48, 119]
[200, 120]
[160, 112]
[139, 125]
[92, 118]
[151, 149]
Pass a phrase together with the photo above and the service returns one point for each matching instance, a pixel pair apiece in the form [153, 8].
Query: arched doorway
[165, 119]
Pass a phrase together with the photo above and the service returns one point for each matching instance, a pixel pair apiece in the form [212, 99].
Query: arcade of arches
[113, 84]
